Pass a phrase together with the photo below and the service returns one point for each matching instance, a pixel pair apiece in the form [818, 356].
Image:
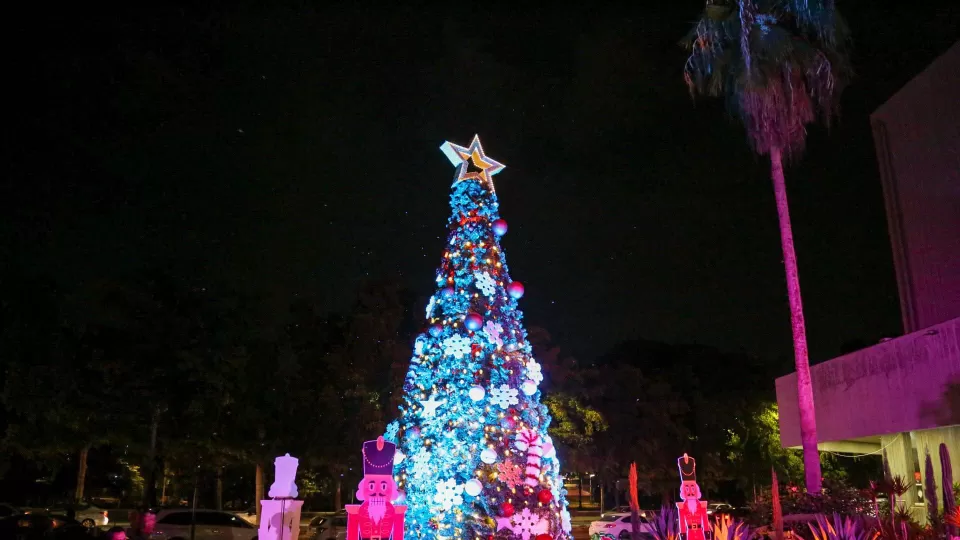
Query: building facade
[901, 398]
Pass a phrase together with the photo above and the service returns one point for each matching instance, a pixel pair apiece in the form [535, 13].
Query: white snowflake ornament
[421, 464]
[456, 346]
[534, 371]
[504, 396]
[485, 283]
[493, 330]
[448, 494]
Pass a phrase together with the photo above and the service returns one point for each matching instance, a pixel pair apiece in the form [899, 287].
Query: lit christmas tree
[475, 459]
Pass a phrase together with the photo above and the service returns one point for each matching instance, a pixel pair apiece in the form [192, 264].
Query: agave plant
[953, 518]
[841, 528]
[729, 529]
[663, 526]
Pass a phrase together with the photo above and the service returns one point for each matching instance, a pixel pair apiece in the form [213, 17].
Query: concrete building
[901, 397]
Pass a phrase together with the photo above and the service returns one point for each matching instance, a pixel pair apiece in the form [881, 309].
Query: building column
[900, 458]
[929, 440]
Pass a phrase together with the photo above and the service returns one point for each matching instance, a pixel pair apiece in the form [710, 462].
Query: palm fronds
[778, 65]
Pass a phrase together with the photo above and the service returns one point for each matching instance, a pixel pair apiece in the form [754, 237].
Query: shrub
[836, 498]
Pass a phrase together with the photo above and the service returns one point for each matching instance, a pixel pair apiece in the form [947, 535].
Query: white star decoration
[463, 156]
[430, 406]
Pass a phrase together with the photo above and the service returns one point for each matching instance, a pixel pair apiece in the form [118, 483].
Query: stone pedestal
[280, 519]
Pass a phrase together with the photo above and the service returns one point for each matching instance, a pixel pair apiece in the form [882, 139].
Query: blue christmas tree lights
[475, 459]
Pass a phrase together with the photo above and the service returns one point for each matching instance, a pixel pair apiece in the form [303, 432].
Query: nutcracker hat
[688, 468]
[378, 457]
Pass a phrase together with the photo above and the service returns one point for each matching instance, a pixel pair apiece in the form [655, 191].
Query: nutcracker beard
[376, 508]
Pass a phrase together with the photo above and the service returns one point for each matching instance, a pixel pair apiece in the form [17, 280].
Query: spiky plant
[729, 529]
[779, 65]
[775, 504]
[953, 517]
[898, 486]
[930, 492]
[663, 526]
[634, 504]
[946, 482]
[840, 528]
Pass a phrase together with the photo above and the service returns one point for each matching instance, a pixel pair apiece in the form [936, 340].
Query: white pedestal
[280, 519]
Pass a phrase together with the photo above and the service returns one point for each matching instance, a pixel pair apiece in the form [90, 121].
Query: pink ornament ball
[473, 321]
[447, 292]
[500, 227]
[515, 290]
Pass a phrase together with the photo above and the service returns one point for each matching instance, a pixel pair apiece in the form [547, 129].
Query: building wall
[905, 384]
[917, 136]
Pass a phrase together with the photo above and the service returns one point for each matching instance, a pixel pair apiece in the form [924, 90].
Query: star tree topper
[463, 157]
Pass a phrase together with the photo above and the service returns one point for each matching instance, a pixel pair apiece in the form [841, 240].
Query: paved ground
[580, 519]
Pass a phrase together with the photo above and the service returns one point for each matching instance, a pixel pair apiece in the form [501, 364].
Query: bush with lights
[475, 460]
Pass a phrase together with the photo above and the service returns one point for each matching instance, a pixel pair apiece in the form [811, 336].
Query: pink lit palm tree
[779, 64]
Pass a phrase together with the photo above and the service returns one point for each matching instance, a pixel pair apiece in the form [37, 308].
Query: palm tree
[779, 64]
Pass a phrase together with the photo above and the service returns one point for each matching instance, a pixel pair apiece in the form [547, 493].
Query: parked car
[249, 515]
[88, 515]
[719, 508]
[328, 527]
[626, 510]
[41, 526]
[209, 525]
[7, 510]
[619, 526]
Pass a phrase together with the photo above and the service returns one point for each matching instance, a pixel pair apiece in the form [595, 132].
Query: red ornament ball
[515, 290]
[506, 509]
[508, 422]
[544, 537]
[436, 330]
[544, 496]
[473, 321]
[447, 292]
[499, 227]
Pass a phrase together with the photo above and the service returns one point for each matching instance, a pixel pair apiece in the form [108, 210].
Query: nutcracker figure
[692, 511]
[377, 518]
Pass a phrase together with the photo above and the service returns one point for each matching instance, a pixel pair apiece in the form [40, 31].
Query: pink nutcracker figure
[377, 518]
[692, 511]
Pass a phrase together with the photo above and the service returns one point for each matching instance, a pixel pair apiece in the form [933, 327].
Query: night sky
[293, 149]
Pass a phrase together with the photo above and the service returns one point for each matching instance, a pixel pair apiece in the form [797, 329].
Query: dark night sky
[294, 150]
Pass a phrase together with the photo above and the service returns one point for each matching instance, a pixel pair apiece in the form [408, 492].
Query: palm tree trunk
[149, 498]
[220, 488]
[258, 489]
[338, 495]
[81, 473]
[808, 418]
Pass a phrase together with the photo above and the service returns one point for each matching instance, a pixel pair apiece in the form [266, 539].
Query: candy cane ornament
[529, 441]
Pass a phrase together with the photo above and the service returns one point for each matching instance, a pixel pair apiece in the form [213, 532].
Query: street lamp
[591, 486]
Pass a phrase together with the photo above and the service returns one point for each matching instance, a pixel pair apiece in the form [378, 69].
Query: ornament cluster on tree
[482, 464]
